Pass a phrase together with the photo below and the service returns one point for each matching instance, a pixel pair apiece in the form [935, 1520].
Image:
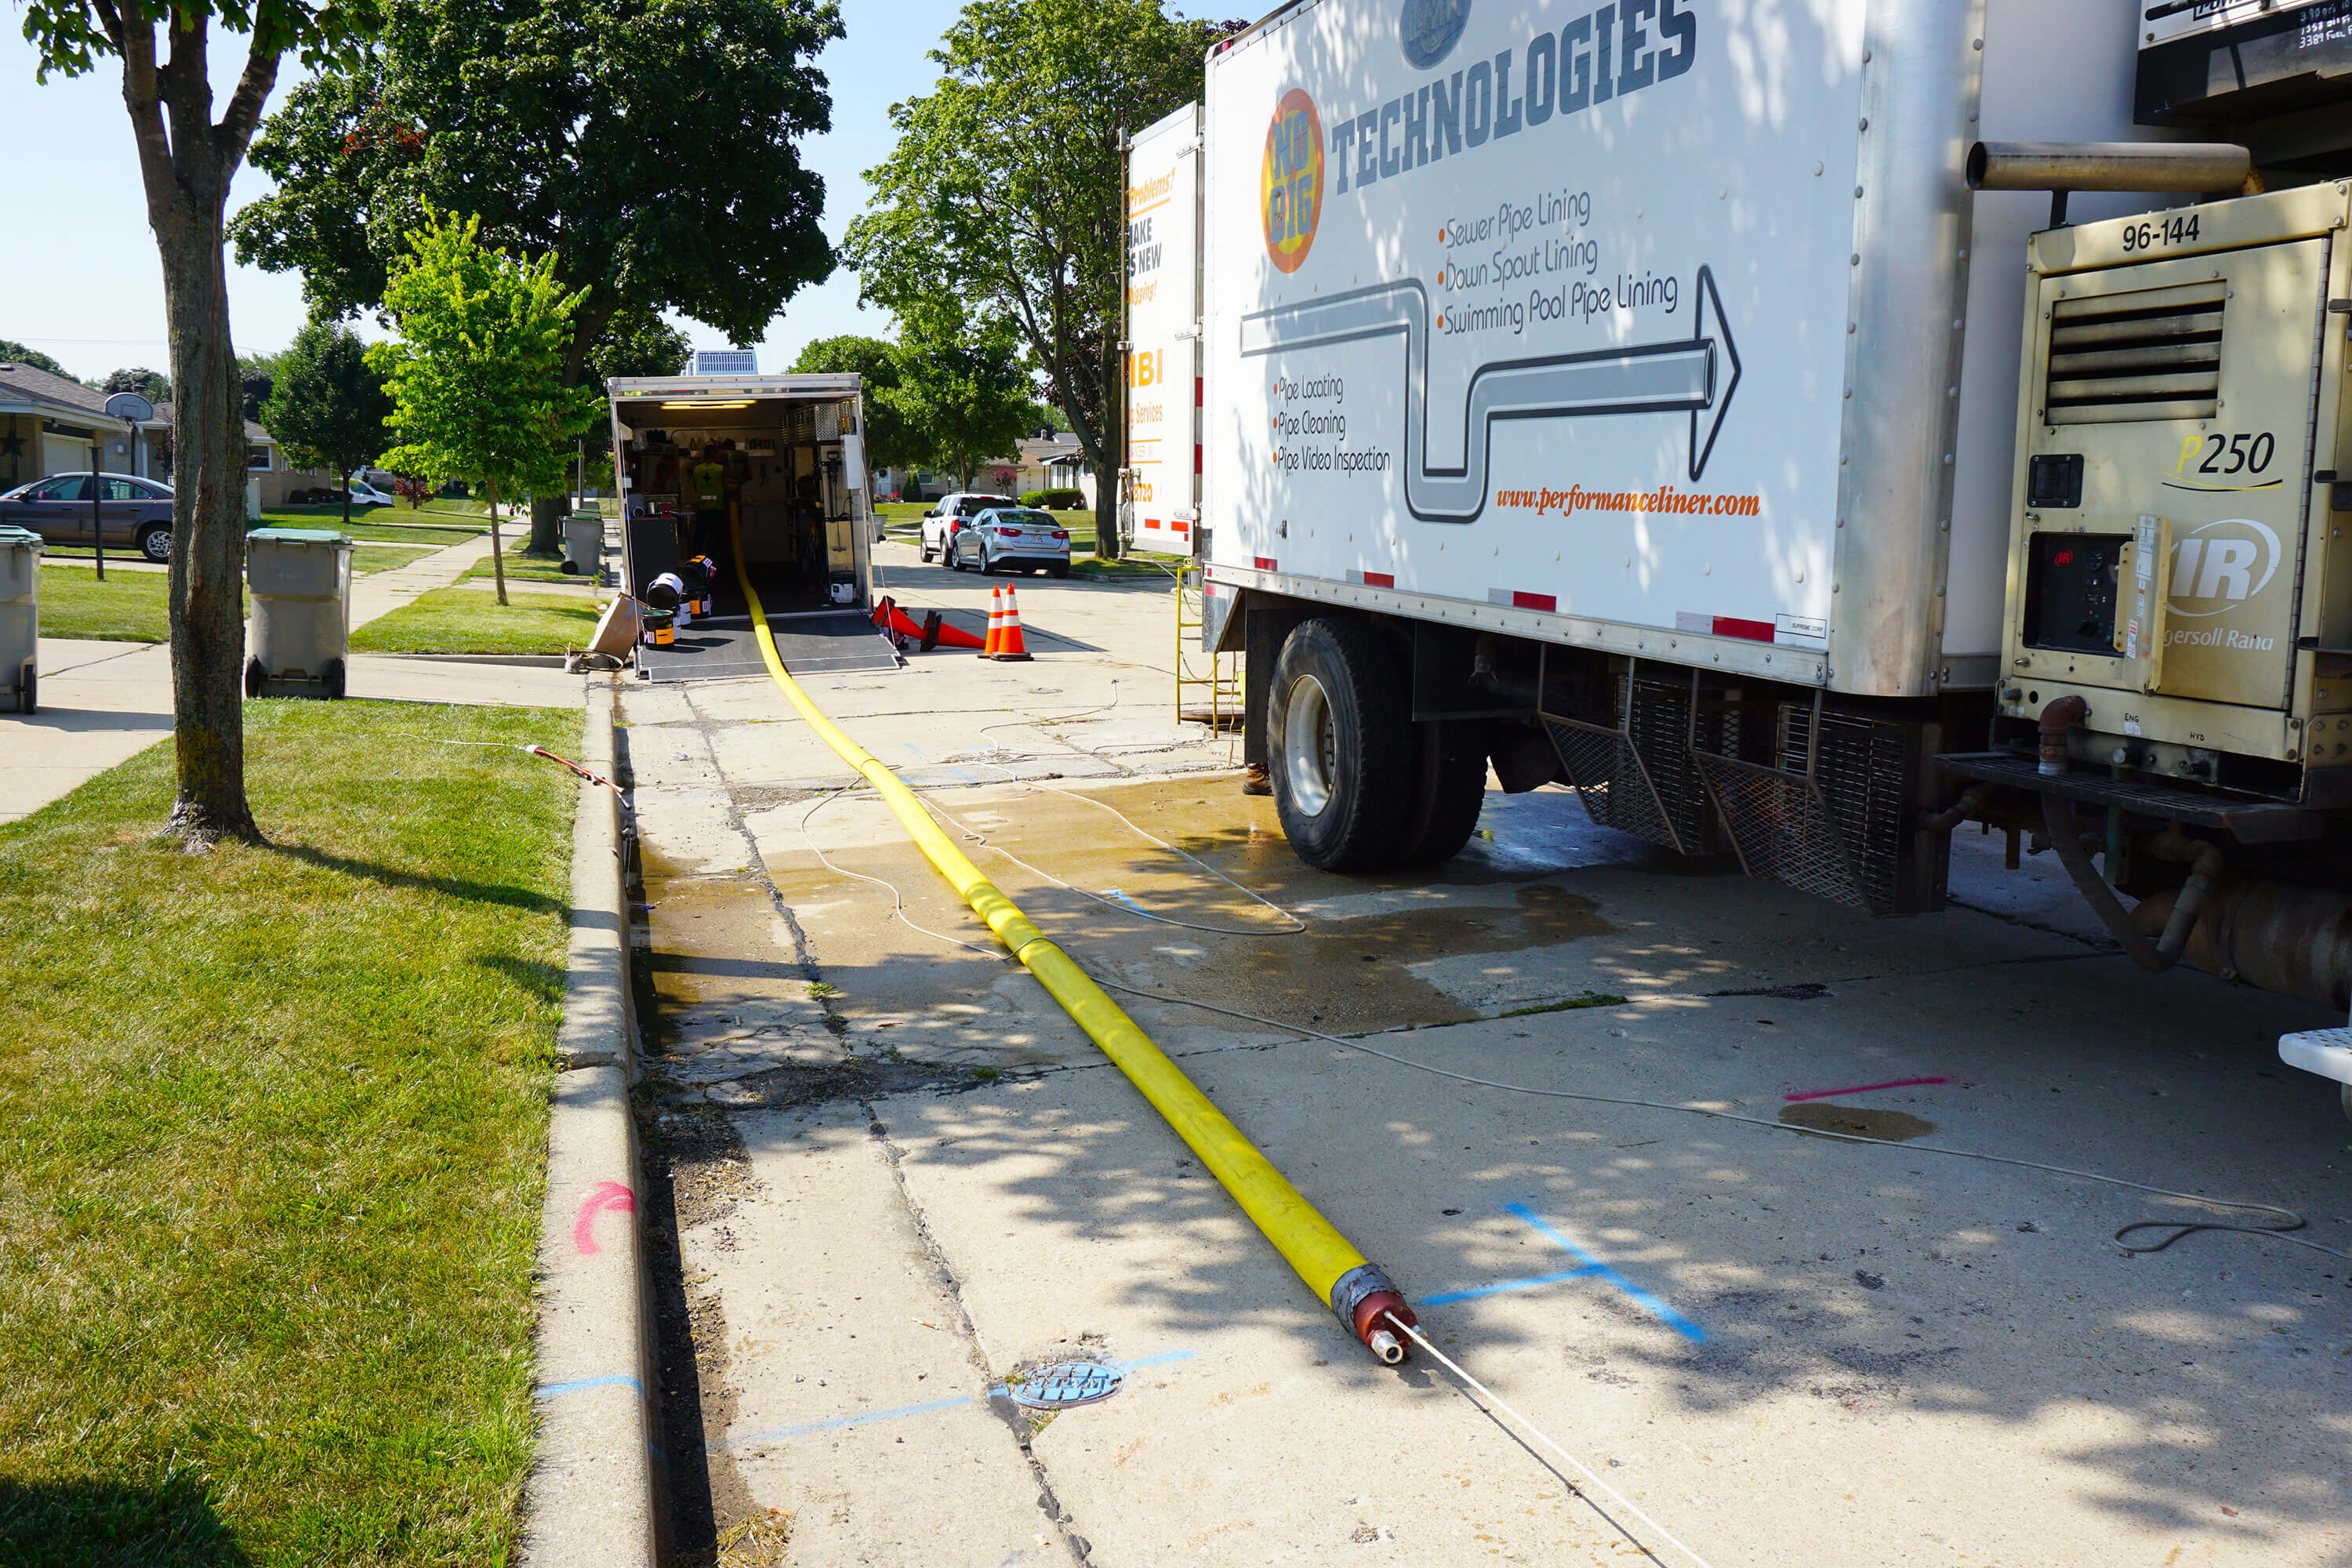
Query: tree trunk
[347, 505]
[547, 524]
[498, 560]
[208, 537]
[1112, 450]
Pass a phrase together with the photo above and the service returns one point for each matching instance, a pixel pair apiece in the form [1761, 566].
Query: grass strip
[468, 620]
[129, 607]
[527, 569]
[379, 523]
[271, 1131]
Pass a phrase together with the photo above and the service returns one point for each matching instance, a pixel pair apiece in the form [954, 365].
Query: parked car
[953, 514]
[134, 512]
[1011, 539]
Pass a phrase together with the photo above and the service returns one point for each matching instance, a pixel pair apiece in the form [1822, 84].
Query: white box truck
[1798, 431]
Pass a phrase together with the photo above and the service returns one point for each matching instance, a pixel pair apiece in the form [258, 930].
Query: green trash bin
[20, 618]
[301, 582]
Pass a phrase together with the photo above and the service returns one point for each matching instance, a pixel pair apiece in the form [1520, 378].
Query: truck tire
[1449, 787]
[1338, 736]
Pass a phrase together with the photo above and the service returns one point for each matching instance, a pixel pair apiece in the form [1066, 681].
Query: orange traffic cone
[1011, 646]
[996, 623]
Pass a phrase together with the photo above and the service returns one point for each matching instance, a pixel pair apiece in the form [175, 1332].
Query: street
[890, 1174]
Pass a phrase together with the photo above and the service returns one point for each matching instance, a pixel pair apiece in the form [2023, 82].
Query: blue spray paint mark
[868, 1417]
[1451, 1296]
[1641, 1298]
[1121, 894]
[618, 1380]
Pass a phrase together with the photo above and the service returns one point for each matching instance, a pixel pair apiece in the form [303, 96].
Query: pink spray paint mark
[1865, 1088]
[607, 1195]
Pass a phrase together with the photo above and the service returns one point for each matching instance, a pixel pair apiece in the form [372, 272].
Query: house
[1049, 462]
[48, 425]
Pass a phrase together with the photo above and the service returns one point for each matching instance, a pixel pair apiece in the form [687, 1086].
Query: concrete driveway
[896, 1176]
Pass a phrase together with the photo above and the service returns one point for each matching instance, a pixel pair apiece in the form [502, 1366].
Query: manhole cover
[1065, 1385]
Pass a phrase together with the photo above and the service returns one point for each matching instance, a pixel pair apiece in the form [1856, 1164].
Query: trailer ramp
[724, 647]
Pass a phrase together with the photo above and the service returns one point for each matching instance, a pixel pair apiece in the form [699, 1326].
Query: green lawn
[468, 620]
[383, 523]
[526, 568]
[271, 1130]
[134, 607]
[129, 607]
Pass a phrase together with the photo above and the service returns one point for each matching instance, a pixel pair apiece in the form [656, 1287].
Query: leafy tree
[13, 353]
[473, 377]
[962, 386]
[328, 408]
[150, 384]
[186, 159]
[652, 150]
[256, 377]
[1004, 192]
[895, 438]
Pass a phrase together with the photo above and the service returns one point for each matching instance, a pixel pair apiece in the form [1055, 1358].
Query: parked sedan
[953, 515]
[1013, 538]
[135, 513]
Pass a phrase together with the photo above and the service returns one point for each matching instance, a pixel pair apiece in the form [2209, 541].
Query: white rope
[897, 907]
[1499, 1403]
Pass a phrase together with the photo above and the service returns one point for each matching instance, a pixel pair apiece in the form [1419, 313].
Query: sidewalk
[103, 702]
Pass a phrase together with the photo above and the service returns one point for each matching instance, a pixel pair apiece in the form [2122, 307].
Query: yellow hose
[1310, 1243]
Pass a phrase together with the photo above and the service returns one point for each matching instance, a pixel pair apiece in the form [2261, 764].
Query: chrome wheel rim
[1310, 746]
[158, 547]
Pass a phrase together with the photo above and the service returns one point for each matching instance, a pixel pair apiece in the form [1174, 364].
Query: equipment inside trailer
[771, 463]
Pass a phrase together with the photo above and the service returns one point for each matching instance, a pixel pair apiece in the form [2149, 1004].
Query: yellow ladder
[1208, 685]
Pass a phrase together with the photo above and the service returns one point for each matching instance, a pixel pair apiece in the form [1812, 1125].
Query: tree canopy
[895, 435]
[187, 158]
[327, 406]
[962, 382]
[473, 375]
[152, 386]
[1003, 196]
[13, 353]
[651, 151]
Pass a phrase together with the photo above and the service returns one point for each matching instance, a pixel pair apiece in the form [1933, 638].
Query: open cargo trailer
[793, 447]
[1620, 396]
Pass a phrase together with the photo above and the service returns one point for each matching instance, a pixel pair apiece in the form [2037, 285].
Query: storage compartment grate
[2118, 358]
[1608, 774]
[1781, 827]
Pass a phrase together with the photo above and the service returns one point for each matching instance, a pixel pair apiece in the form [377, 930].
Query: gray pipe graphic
[1697, 374]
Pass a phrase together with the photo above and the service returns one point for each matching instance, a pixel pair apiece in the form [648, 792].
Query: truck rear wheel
[1338, 733]
[1449, 787]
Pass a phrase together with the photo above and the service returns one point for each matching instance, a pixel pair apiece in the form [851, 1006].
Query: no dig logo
[1290, 182]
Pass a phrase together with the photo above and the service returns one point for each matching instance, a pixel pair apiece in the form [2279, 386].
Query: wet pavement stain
[1856, 1121]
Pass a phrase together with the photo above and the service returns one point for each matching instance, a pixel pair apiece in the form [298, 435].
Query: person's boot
[1256, 780]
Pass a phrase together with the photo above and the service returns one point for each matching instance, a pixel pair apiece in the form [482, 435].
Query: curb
[513, 660]
[590, 1501]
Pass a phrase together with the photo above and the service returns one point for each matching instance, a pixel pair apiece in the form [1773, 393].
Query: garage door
[61, 455]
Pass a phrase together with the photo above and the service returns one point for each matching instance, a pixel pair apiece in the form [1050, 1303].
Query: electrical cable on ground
[1497, 1401]
[2288, 1219]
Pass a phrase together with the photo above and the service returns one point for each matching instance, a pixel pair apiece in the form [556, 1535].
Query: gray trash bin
[584, 542]
[20, 618]
[302, 581]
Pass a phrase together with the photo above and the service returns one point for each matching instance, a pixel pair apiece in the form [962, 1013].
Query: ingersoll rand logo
[2218, 567]
[1290, 181]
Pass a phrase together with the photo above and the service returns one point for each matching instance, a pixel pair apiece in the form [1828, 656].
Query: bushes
[1054, 500]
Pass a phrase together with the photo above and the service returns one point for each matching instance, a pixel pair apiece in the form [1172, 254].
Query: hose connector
[1361, 1299]
[2060, 715]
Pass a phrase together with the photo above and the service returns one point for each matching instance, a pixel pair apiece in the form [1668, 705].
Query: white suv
[951, 516]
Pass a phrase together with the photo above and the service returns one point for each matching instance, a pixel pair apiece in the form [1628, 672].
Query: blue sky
[79, 278]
